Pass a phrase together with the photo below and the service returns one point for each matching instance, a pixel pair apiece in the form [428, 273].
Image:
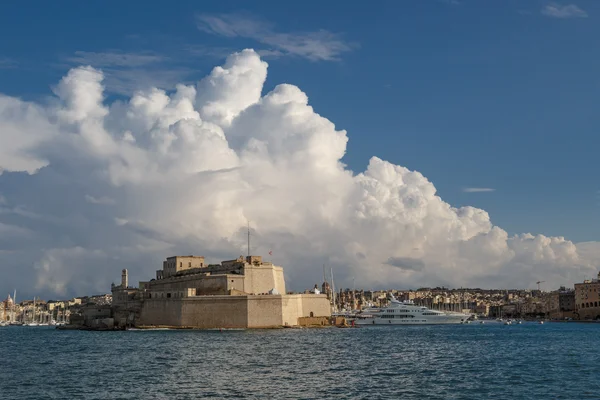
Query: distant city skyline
[417, 143]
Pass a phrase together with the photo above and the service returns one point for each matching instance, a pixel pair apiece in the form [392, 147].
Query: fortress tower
[124, 278]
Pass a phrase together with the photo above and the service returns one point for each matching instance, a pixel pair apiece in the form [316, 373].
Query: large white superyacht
[408, 313]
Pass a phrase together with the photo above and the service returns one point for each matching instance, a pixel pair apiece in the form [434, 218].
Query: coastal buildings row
[40, 311]
[580, 303]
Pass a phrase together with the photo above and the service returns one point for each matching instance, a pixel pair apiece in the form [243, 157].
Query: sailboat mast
[353, 292]
[333, 291]
[14, 317]
[248, 238]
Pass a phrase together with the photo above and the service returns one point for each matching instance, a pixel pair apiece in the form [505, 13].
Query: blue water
[529, 361]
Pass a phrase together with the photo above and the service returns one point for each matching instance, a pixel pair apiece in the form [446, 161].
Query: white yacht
[408, 313]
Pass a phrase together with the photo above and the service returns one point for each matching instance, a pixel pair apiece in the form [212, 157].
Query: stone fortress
[241, 293]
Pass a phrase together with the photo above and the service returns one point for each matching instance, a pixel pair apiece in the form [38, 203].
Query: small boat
[541, 322]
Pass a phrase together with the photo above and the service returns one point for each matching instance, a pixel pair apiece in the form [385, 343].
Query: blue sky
[484, 94]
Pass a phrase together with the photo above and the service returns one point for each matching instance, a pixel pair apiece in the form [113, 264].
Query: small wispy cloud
[99, 200]
[555, 10]
[406, 263]
[477, 190]
[6, 63]
[318, 45]
[199, 50]
[115, 58]
[452, 2]
[126, 72]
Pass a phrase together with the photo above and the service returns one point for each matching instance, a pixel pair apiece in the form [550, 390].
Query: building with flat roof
[587, 299]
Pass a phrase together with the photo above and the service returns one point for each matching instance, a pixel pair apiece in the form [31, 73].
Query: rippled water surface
[529, 361]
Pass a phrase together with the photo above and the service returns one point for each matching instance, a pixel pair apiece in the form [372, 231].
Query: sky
[404, 144]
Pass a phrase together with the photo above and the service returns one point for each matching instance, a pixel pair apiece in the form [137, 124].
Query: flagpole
[248, 238]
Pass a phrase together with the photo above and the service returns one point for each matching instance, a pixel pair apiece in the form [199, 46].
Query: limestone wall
[210, 285]
[161, 312]
[204, 285]
[265, 311]
[262, 278]
[279, 279]
[215, 312]
[232, 311]
[317, 304]
[295, 306]
[291, 309]
[235, 282]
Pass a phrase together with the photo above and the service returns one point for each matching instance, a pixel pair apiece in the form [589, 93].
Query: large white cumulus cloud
[90, 187]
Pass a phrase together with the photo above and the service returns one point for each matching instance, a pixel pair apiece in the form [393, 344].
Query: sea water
[476, 361]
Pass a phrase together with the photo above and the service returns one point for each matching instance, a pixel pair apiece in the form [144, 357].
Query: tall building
[587, 299]
[560, 303]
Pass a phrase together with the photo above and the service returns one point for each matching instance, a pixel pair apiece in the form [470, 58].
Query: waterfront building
[6, 309]
[240, 293]
[482, 309]
[560, 304]
[55, 305]
[587, 299]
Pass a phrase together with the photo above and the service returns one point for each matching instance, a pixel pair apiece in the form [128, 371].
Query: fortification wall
[203, 284]
[215, 312]
[291, 308]
[160, 312]
[262, 278]
[264, 311]
[205, 312]
[176, 282]
[279, 279]
[317, 304]
[236, 283]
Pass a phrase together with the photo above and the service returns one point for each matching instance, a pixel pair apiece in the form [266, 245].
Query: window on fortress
[180, 265]
[168, 295]
[190, 264]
